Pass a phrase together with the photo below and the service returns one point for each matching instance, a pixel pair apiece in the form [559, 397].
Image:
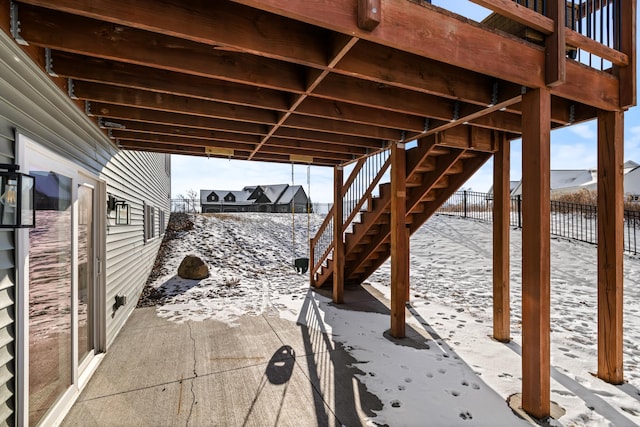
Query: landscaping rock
[193, 267]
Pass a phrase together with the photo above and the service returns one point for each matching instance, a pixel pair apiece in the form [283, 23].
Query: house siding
[33, 106]
[139, 179]
[7, 296]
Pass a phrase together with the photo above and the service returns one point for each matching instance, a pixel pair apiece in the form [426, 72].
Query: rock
[193, 267]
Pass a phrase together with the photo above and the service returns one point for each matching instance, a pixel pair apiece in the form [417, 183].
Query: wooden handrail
[368, 192]
[324, 224]
[575, 39]
[314, 266]
[534, 20]
[353, 175]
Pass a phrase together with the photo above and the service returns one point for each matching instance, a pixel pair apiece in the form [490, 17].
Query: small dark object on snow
[301, 265]
[193, 267]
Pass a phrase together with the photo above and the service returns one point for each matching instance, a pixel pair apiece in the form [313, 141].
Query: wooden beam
[170, 103]
[627, 75]
[127, 128]
[122, 112]
[338, 237]
[610, 245]
[474, 48]
[73, 33]
[399, 249]
[555, 47]
[79, 67]
[501, 230]
[536, 374]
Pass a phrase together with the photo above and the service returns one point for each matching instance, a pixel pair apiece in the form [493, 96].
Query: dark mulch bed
[178, 222]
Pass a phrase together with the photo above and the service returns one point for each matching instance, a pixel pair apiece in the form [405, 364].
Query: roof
[287, 196]
[560, 179]
[278, 193]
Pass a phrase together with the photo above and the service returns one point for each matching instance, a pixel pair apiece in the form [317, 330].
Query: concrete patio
[264, 372]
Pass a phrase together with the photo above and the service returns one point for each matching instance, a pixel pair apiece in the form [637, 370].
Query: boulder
[193, 267]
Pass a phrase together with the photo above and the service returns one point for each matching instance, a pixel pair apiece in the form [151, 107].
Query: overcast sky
[573, 147]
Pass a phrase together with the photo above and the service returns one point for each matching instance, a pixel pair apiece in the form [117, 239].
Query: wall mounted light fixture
[16, 198]
[122, 210]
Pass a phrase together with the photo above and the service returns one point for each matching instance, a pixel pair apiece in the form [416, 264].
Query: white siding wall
[137, 178]
[32, 105]
[7, 297]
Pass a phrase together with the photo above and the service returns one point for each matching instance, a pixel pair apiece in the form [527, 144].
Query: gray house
[280, 198]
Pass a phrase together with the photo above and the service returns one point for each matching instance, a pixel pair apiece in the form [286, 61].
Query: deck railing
[357, 192]
[595, 28]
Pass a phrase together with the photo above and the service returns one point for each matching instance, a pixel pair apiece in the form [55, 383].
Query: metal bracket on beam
[15, 24]
[87, 108]
[456, 111]
[403, 135]
[110, 133]
[494, 95]
[48, 63]
[108, 124]
[70, 89]
[572, 114]
[523, 90]
[426, 124]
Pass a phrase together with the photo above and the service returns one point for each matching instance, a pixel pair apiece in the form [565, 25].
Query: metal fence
[185, 205]
[571, 220]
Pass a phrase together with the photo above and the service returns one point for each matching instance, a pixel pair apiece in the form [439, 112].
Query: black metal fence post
[464, 202]
[519, 198]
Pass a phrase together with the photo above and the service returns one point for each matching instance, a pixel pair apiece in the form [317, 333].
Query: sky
[573, 147]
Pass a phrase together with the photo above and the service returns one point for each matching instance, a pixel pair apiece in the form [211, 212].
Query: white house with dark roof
[565, 181]
[260, 198]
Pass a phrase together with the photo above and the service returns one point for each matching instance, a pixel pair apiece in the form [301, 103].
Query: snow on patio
[461, 377]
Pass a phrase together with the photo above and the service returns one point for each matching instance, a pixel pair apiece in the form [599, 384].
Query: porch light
[122, 210]
[16, 199]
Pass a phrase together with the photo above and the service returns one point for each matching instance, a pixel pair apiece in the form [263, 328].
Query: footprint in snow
[395, 403]
[466, 415]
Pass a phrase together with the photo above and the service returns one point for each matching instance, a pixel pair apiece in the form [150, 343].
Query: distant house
[261, 198]
[512, 186]
[568, 181]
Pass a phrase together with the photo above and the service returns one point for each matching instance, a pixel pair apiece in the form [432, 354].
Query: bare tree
[194, 198]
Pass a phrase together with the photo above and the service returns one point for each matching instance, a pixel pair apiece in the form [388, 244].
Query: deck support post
[536, 135]
[610, 244]
[407, 230]
[399, 248]
[338, 238]
[501, 230]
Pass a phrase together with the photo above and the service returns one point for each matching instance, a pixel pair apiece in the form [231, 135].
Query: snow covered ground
[461, 377]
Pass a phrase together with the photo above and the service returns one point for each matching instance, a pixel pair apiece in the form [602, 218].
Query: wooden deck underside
[293, 81]
[329, 83]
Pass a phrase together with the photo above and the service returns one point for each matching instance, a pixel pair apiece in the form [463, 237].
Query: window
[149, 222]
[162, 221]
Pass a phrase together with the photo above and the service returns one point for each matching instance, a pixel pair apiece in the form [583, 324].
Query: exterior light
[16, 199]
[122, 210]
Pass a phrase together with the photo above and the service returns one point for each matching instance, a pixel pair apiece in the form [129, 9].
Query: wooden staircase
[434, 173]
